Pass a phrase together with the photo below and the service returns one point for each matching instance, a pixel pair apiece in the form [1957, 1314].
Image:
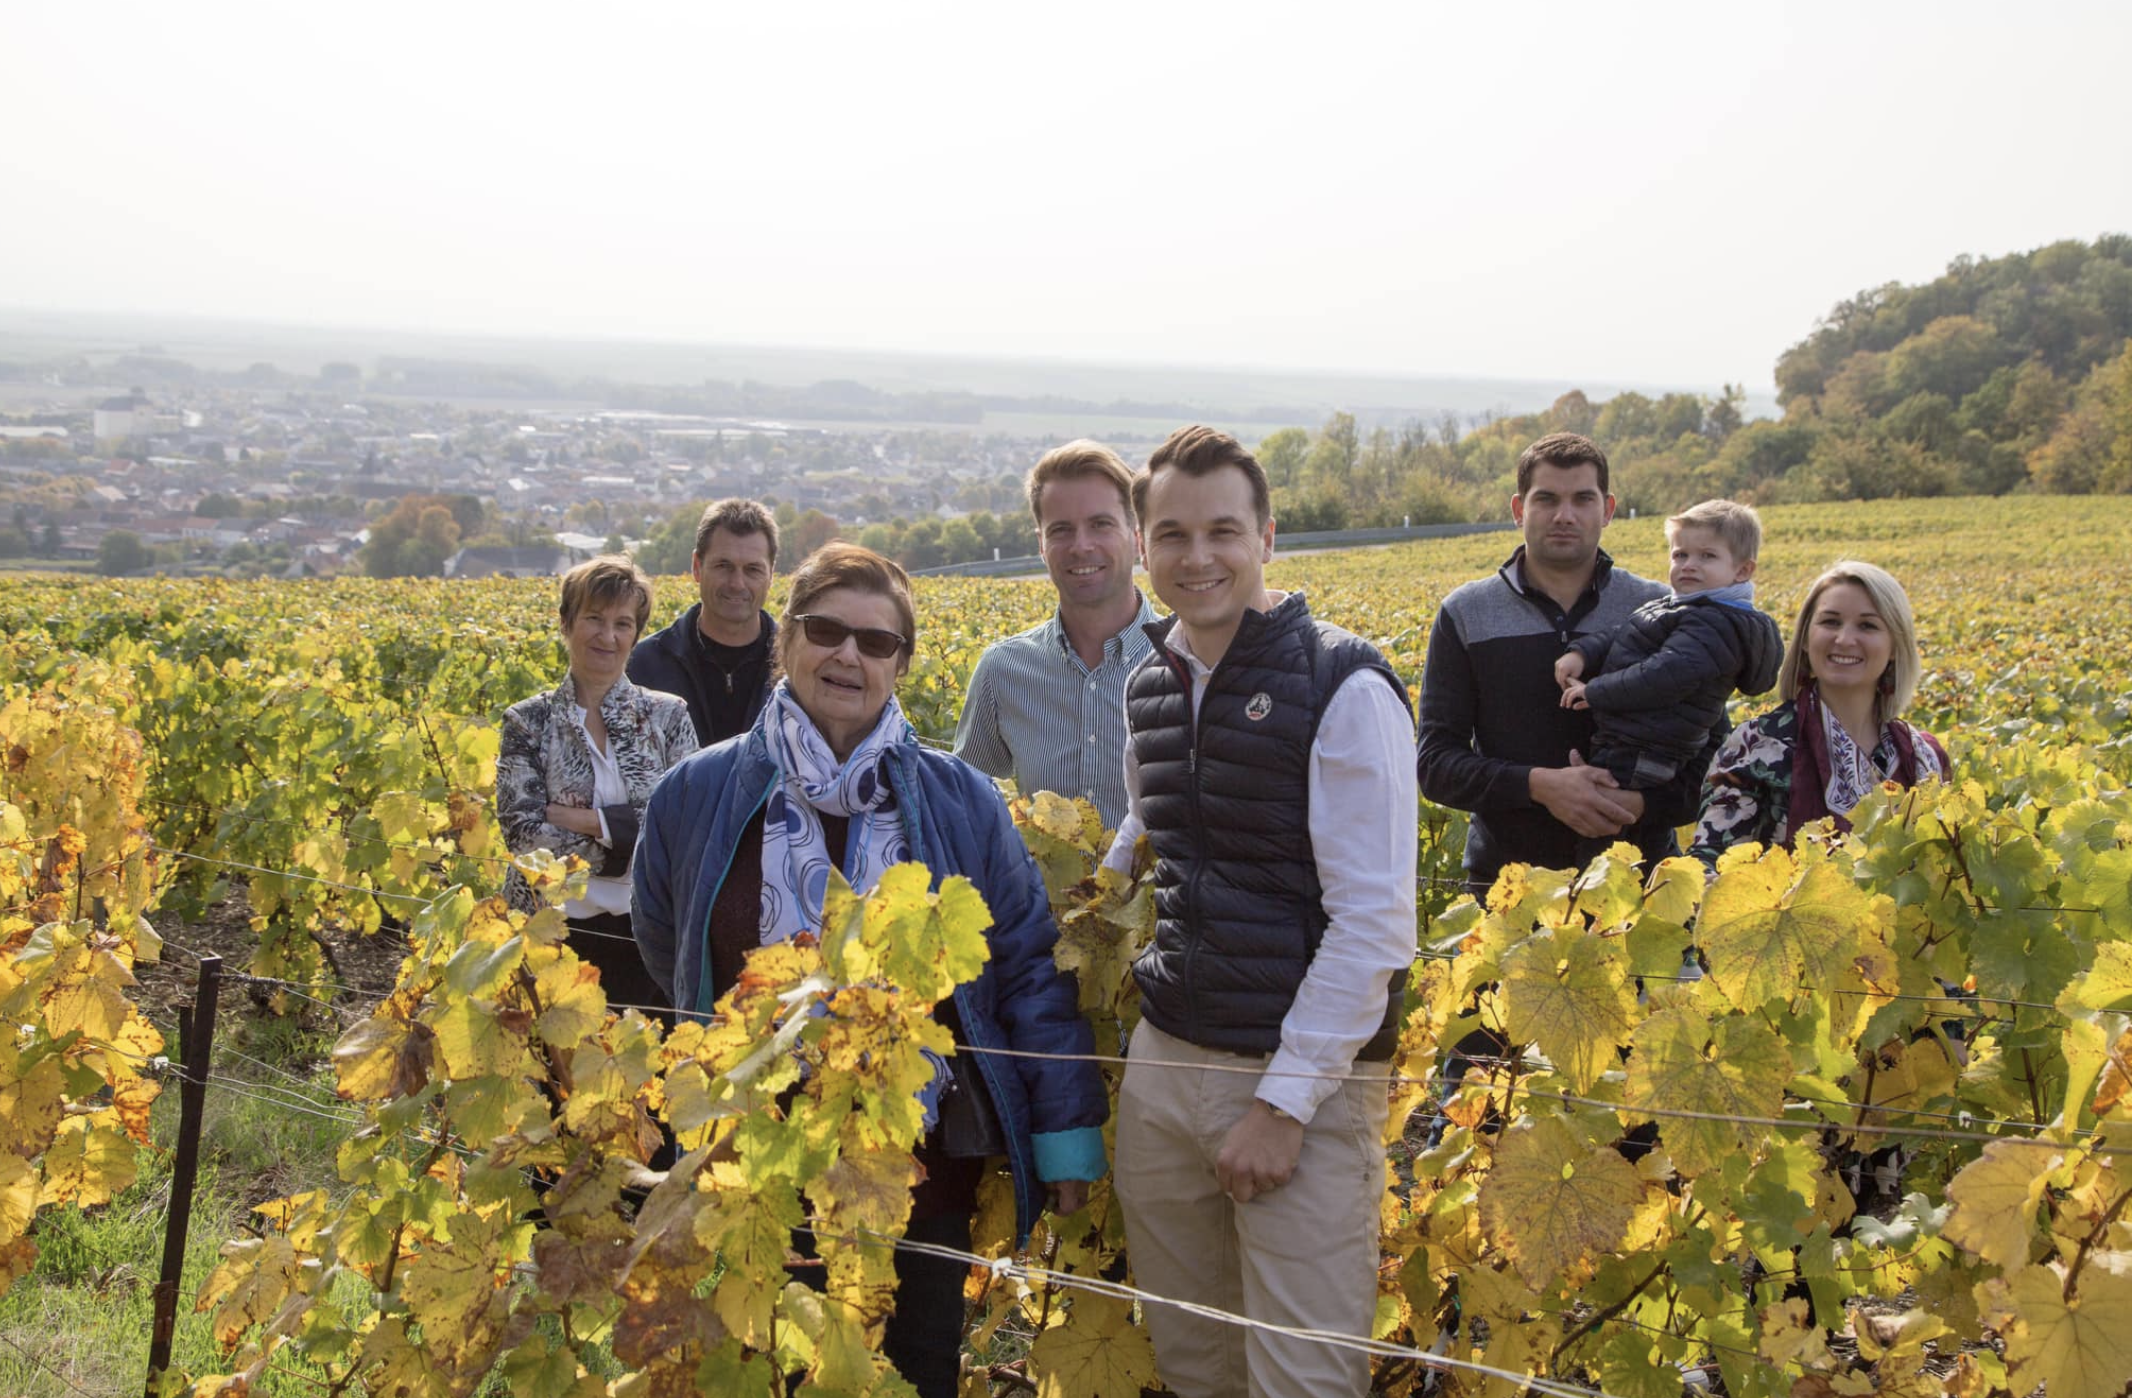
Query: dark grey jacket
[1490, 713]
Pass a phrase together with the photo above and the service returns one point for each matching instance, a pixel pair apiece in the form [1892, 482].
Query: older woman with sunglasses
[735, 853]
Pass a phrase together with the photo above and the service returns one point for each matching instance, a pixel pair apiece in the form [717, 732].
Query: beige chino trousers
[1304, 1255]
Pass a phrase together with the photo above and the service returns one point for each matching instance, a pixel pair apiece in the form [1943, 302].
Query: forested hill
[2003, 374]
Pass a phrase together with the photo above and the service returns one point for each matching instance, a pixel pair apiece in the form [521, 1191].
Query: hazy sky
[1662, 194]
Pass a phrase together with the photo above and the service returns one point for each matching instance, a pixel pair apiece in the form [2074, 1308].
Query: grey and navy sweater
[1491, 712]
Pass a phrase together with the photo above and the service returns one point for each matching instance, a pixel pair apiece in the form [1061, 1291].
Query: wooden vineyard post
[199, 1035]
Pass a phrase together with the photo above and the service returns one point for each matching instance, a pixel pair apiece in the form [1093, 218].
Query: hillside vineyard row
[1953, 979]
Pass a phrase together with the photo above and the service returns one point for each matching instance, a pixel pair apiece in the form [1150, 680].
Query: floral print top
[1747, 795]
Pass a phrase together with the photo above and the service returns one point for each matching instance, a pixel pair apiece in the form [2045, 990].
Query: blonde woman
[1848, 676]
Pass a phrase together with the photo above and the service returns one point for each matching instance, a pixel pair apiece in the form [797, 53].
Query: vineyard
[1874, 1151]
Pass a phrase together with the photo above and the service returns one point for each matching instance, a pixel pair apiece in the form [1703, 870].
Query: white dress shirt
[602, 895]
[1362, 815]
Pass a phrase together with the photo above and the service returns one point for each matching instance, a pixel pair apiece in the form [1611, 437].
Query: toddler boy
[1661, 678]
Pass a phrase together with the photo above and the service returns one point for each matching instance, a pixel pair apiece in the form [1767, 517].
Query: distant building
[119, 418]
[502, 561]
[582, 546]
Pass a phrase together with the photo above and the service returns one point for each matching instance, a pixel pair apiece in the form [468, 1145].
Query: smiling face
[1701, 560]
[733, 575]
[1085, 536]
[1562, 514]
[1206, 552]
[840, 688]
[598, 639]
[1848, 643]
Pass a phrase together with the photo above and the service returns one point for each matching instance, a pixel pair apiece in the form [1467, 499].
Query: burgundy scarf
[1810, 762]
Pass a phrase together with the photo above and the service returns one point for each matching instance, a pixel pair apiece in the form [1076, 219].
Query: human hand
[1259, 1154]
[1573, 695]
[1584, 798]
[1068, 1196]
[1569, 667]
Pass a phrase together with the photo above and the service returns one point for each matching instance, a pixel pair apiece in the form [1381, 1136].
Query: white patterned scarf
[810, 781]
[1853, 772]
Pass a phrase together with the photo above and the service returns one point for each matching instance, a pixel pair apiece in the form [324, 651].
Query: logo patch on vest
[1261, 705]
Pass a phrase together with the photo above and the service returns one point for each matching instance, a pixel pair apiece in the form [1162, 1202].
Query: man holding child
[1495, 736]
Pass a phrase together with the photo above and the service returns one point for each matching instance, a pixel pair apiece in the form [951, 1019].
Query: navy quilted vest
[1239, 910]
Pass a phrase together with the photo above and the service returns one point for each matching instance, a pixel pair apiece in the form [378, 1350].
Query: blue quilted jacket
[956, 823]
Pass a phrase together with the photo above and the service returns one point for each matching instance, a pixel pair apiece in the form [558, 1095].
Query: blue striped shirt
[1035, 713]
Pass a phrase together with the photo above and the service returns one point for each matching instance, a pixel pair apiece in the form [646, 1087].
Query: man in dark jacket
[1662, 678]
[1265, 762]
[1494, 737]
[718, 654]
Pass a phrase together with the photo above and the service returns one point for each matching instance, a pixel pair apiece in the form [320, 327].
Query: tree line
[2001, 375]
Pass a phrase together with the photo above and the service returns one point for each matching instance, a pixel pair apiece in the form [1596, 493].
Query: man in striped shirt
[1047, 707]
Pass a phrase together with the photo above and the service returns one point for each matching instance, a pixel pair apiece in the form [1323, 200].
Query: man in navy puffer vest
[1267, 766]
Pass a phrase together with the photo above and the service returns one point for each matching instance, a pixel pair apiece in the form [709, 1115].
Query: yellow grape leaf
[1995, 1198]
[384, 1057]
[447, 1285]
[477, 1041]
[93, 1006]
[31, 1103]
[870, 1190]
[1681, 1061]
[2086, 1045]
[1768, 933]
[480, 969]
[2106, 985]
[1610, 890]
[17, 1257]
[2081, 1348]
[299, 1217]
[18, 1195]
[1675, 889]
[1096, 1352]
[1569, 991]
[1057, 816]
[1554, 1202]
[573, 1005]
[927, 943]
[661, 1313]
[254, 1277]
[750, 1226]
[2116, 1075]
[91, 1159]
[1789, 1336]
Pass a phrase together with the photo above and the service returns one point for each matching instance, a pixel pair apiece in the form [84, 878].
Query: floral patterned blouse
[1747, 795]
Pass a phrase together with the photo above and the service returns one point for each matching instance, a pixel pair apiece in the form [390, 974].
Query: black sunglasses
[829, 633]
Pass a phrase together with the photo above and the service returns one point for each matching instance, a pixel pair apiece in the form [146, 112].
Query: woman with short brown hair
[577, 764]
